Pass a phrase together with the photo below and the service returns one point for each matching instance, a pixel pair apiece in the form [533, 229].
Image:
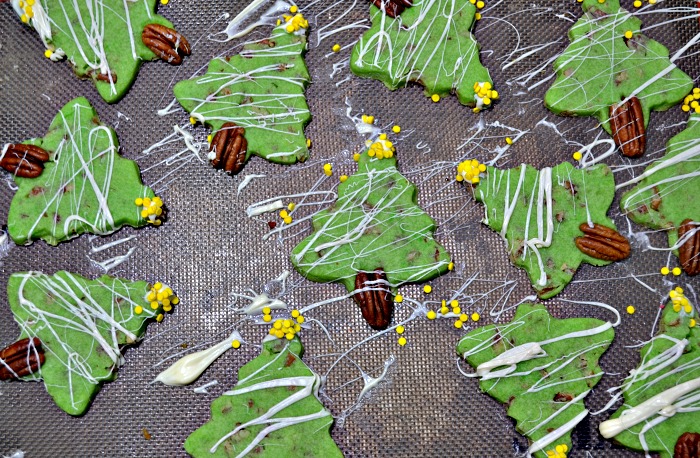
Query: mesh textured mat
[209, 250]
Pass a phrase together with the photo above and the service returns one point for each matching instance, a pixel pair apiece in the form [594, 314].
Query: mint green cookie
[273, 411]
[262, 90]
[96, 37]
[375, 224]
[515, 205]
[667, 193]
[601, 67]
[83, 325]
[430, 43]
[668, 360]
[544, 393]
[85, 187]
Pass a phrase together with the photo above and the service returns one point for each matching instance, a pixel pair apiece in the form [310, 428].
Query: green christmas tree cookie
[258, 94]
[375, 225]
[542, 368]
[82, 326]
[102, 40]
[84, 187]
[662, 395]
[665, 195]
[272, 411]
[543, 214]
[608, 60]
[431, 44]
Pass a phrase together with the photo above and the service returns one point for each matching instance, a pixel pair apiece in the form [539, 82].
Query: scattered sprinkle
[336, 47]
[193, 120]
[308, 143]
[431, 315]
[463, 318]
[577, 156]
[475, 316]
[236, 344]
[629, 34]
[637, 3]
[48, 53]
[398, 299]
[665, 270]
[396, 129]
[367, 119]
[451, 266]
[692, 323]
[356, 157]
[560, 450]
[435, 98]
[164, 2]
[676, 271]
[138, 310]
[509, 140]
[400, 329]
[343, 178]
[291, 206]
[402, 341]
[427, 289]
[328, 169]
[630, 309]
[458, 324]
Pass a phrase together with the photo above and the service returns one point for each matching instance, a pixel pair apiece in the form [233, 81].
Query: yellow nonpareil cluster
[469, 171]
[160, 298]
[676, 271]
[400, 330]
[328, 169]
[284, 328]
[28, 7]
[381, 148]
[151, 209]
[479, 5]
[558, 452]
[679, 301]
[284, 214]
[484, 95]
[692, 101]
[296, 22]
[367, 119]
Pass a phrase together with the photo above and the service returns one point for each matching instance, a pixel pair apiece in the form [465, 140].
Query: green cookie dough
[85, 187]
[516, 206]
[83, 325]
[666, 193]
[670, 359]
[601, 67]
[375, 224]
[261, 90]
[273, 411]
[96, 37]
[431, 44]
[543, 394]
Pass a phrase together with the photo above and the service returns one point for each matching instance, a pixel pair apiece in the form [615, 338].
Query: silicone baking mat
[210, 251]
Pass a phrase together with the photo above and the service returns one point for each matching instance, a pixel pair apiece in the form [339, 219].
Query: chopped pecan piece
[26, 161]
[22, 358]
[110, 77]
[230, 148]
[602, 242]
[166, 43]
[374, 298]
[689, 251]
[393, 8]
[627, 127]
[687, 446]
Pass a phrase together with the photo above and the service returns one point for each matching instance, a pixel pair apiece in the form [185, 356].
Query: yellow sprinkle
[289, 28]
[456, 310]
[431, 315]
[291, 206]
[48, 53]
[279, 21]
[301, 320]
[175, 300]
[283, 213]
[287, 323]
[400, 329]
[267, 310]
[193, 120]
[509, 140]
[637, 3]
[295, 313]
[328, 169]
[487, 101]
[480, 4]
[427, 289]
[138, 202]
[402, 341]
[652, 2]
[164, 2]
[630, 309]
[396, 129]
[475, 316]
[458, 324]
[676, 271]
[279, 334]
[685, 108]
[687, 308]
[398, 299]
[267, 318]
[444, 310]
[665, 270]
[155, 305]
[477, 16]
[236, 344]
[356, 157]
[577, 156]
[435, 98]
[336, 47]
[289, 335]
[451, 266]
[463, 317]
[167, 308]
[297, 328]
[138, 310]
[692, 323]
[343, 178]
[629, 34]
[159, 317]
[454, 303]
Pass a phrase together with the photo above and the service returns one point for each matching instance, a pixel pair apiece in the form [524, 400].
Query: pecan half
[166, 43]
[230, 146]
[687, 446]
[26, 161]
[22, 358]
[627, 127]
[602, 242]
[689, 252]
[393, 8]
[374, 298]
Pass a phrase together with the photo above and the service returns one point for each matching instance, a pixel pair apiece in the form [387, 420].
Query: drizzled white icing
[188, 368]
[42, 24]
[233, 29]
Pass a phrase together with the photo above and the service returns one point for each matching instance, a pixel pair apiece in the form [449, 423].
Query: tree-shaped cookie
[272, 411]
[431, 44]
[552, 219]
[77, 328]
[542, 368]
[85, 186]
[106, 41]
[254, 101]
[662, 395]
[665, 195]
[609, 61]
[373, 238]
